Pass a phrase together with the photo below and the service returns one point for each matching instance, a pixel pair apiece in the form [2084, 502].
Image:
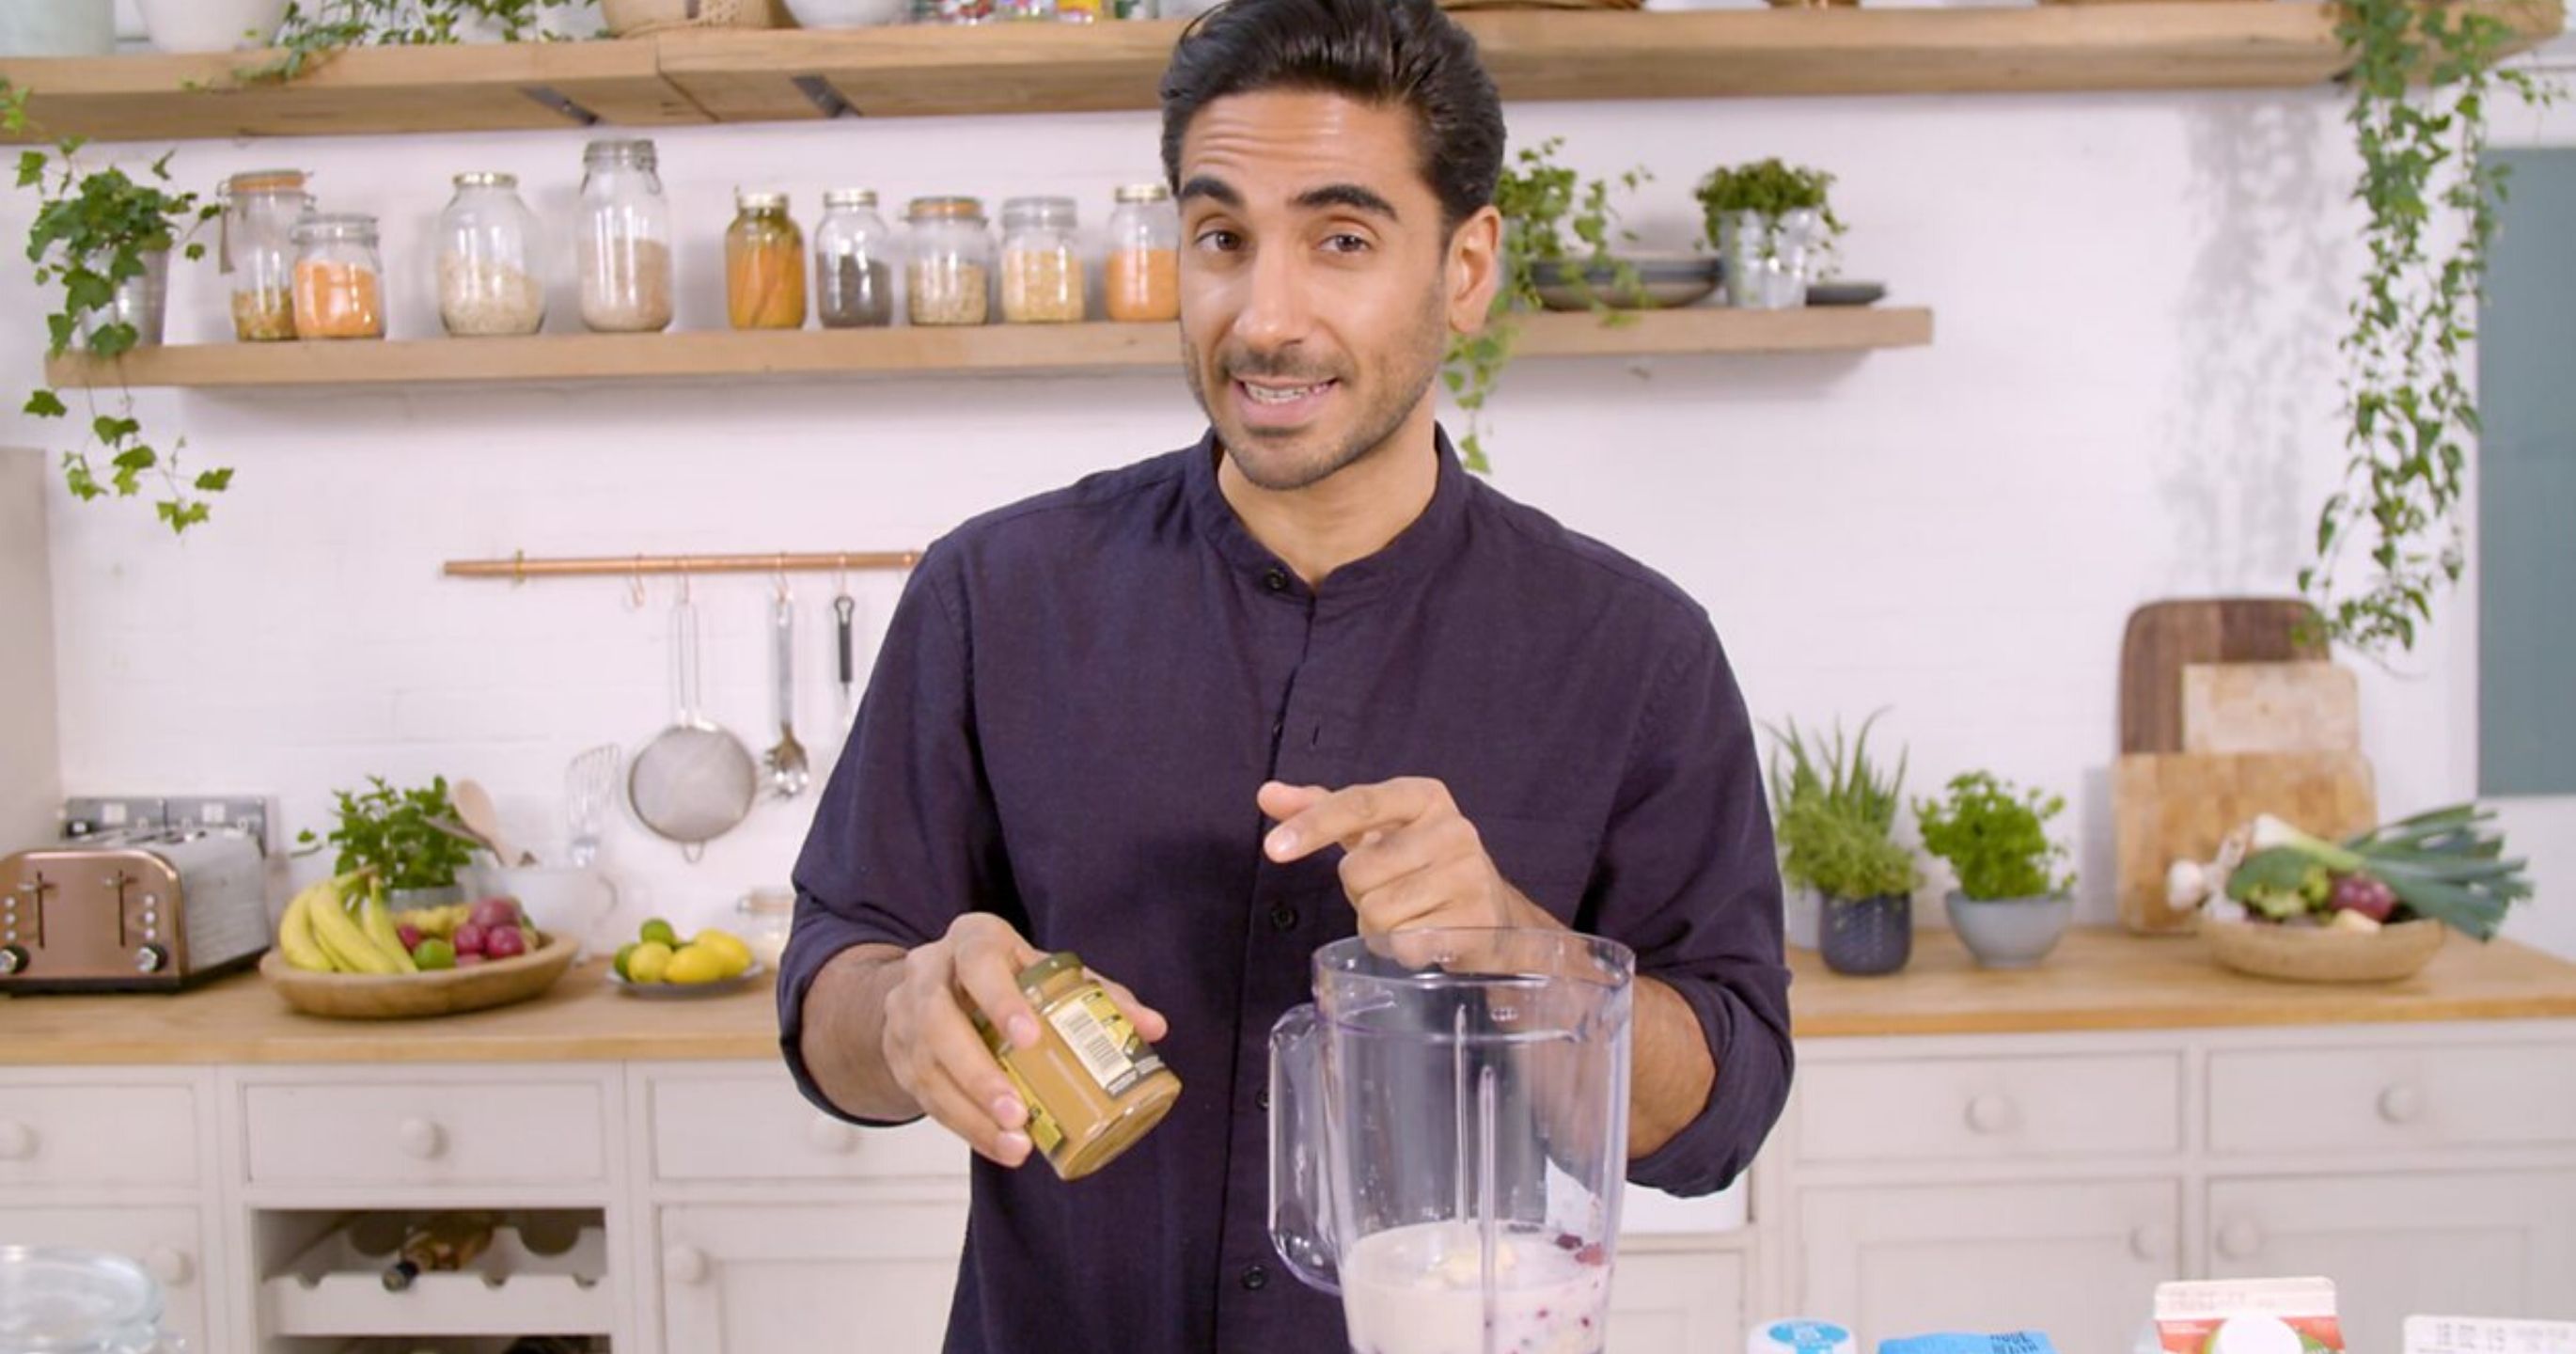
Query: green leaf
[215, 481]
[45, 404]
[31, 168]
[112, 430]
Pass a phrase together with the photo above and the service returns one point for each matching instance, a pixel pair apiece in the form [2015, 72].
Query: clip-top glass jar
[488, 278]
[764, 917]
[764, 264]
[949, 278]
[853, 262]
[626, 277]
[1092, 1085]
[61, 1301]
[256, 248]
[1144, 270]
[339, 278]
[1041, 261]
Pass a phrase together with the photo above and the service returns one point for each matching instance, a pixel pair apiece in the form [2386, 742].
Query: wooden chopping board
[2270, 707]
[2180, 805]
[2164, 636]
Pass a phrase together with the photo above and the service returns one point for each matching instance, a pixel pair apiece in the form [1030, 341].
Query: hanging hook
[779, 578]
[841, 575]
[635, 586]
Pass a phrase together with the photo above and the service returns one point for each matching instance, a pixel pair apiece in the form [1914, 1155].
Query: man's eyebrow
[1212, 188]
[1349, 195]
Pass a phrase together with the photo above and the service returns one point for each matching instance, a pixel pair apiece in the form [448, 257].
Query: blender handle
[1301, 1188]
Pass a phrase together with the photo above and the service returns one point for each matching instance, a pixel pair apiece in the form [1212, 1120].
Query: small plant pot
[142, 301]
[1767, 261]
[1865, 937]
[2009, 932]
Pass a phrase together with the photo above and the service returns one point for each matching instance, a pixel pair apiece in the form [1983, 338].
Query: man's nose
[1277, 305]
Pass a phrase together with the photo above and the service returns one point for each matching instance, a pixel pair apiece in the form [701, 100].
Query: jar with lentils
[1144, 270]
[1041, 261]
[948, 278]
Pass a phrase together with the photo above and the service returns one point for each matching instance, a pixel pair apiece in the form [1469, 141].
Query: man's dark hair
[1383, 52]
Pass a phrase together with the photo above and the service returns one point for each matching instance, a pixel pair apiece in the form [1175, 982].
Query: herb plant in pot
[1773, 228]
[409, 837]
[1836, 829]
[2011, 905]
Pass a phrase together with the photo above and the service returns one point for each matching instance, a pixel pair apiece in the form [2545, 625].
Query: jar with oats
[257, 250]
[339, 278]
[1144, 272]
[1041, 261]
[488, 279]
[625, 239]
[764, 264]
[948, 278]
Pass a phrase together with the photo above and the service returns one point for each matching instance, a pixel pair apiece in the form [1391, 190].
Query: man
[1193, 718]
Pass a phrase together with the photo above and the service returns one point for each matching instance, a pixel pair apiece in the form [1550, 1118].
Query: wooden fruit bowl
[408, 996]
[2316, 954]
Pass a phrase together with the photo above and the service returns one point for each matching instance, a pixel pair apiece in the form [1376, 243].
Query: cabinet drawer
[2365, 1099]
[427, 1133]
[753, 1125]
[1975, 1109]
[97, 1135]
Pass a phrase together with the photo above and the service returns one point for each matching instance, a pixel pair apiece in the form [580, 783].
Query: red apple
[469, 939]
[468, 960]
[503, 942]
[409, 935]
[494, 913]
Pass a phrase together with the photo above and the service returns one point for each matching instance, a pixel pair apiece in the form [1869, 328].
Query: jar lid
[637, 152]
[265, 181]
[944, 209]
[1144, 192]
[58, 1299]
[1038, 211]
[850, 197]
[759, 201]
[336, 226]
[485, 179]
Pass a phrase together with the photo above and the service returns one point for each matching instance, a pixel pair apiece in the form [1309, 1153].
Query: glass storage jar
[853, 262]
[764, 264]
[948, 278]
[1041, 261]
[339, 278]
[1143, 276]
[256, 248]
[625, 249]
[489, 281]
[764, 917]
[62, 1301]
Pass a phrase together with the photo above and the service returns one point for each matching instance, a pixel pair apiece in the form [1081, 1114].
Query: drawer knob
[422, 1139]
[2401, 1104]
[2150, 1243]
[2240, 1240]
[170, 1265]
[1991, 1114]
[17, 1141]
[686, 1264]
[827, 1134]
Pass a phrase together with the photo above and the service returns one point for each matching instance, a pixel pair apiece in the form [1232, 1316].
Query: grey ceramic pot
[2009, 932]
[1864, 937]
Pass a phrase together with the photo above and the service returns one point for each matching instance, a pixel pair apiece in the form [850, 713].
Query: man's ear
[1474, 269]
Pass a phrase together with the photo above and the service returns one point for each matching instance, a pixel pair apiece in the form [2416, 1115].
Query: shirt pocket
[1549, 862]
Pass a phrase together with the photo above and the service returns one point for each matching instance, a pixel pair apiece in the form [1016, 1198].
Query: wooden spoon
[474, 808]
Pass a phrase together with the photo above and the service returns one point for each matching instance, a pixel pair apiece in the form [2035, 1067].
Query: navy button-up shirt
[1078, 697]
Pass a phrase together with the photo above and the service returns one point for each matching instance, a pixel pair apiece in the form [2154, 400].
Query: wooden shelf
[900, 351]
[737, 76]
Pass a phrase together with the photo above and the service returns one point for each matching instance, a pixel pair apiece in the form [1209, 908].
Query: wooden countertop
[2097, 980]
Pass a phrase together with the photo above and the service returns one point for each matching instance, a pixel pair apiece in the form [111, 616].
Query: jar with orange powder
[1144, 272]
[339, 278]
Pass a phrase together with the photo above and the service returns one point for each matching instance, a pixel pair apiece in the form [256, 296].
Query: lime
[434, 953]
[695, 964]
[660, 932]
[619, 963]
[645, 965]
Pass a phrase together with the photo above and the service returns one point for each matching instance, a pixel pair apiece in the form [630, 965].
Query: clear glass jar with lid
[625, 239]
[948, 277]
[853, 262]
[764, 264]
[489, 281]
[1143, 276]
[1041, 261]
[60, 1301]
[764, 917]
[256, 248]
[339, 278]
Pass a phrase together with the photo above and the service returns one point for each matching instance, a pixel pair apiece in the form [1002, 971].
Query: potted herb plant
[1836, 822]
[2012, 904]
[1773, 226]
[408, 837]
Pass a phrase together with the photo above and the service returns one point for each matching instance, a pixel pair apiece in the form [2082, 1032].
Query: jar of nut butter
[1092, 1085]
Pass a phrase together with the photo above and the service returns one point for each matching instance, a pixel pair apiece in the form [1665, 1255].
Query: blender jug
[1448, 1135]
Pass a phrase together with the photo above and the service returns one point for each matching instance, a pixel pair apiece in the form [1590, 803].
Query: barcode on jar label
[1103, 1040]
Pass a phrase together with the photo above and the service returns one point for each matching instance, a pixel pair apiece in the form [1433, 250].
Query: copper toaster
[142, 913]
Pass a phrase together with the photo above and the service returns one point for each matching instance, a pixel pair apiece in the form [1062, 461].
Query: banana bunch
[338, 926]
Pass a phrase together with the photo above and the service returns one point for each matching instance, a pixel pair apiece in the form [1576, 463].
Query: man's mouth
[1281, 403]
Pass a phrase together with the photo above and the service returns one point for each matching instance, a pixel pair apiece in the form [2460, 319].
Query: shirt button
[1284, 917]
[1276, 580]
[1256, 1278]
[1261, 1099]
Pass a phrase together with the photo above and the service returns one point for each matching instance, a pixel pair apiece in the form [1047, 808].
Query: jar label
[1107, 1045]
[1044, 1132]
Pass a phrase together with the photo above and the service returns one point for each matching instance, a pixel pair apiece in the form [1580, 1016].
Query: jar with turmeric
[1144, 273]
[339, 278]
[764, 264]
[1092, 1085]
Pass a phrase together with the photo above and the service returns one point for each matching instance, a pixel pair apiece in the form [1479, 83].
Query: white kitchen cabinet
[170, 1242]
[770, 1278]
[1671, 1297]
[2078, 1260]
[2486, 1243]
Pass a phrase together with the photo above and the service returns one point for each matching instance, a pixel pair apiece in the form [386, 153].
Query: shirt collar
[1415, 552]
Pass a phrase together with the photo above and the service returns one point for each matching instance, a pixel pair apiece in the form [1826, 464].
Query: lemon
[695, 964]
[736, 955]
[648, 963]
[624, 952]
[660, 932]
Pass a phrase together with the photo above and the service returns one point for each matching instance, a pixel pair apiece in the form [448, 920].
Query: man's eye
[1346, 244]
[1223, 241]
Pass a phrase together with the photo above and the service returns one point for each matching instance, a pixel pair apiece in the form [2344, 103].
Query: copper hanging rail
[520, 568]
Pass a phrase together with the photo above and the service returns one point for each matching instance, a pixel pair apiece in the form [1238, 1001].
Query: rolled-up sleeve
[1690, 881]
[904, 838]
